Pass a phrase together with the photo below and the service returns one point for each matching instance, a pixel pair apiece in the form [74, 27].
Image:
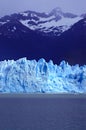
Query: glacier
[31, 76]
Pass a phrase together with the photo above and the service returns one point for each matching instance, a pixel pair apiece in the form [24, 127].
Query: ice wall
[30, 76]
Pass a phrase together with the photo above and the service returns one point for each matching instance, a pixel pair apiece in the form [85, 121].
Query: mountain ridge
[57, 43]
[55, 22]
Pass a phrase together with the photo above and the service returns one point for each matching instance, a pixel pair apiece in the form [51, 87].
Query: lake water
[43, 112]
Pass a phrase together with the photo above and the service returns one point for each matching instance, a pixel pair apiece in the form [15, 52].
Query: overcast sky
[11, 6]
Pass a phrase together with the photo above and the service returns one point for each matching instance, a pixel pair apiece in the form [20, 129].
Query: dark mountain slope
[17, 40]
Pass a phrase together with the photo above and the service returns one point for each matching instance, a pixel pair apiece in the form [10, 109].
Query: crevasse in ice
[30, 76]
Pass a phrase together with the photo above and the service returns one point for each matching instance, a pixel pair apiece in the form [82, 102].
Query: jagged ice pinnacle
[30, 76]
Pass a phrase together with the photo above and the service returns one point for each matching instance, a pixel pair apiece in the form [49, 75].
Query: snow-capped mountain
[55, 35]
[56, 22]
[41, 77]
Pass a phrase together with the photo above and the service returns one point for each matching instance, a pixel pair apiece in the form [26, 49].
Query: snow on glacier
[30, 76]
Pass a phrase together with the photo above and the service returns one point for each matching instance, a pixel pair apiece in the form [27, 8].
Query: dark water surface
[49, 112]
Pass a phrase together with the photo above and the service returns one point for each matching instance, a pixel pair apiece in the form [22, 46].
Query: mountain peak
[54, 23]
[56, 11]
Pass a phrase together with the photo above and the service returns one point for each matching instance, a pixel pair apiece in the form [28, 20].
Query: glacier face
[30, 76]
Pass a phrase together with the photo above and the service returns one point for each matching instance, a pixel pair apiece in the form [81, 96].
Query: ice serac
[30, 76]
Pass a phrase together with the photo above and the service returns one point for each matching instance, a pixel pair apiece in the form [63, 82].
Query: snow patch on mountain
[51, 24]
[24, 14]
[30, 76]
[54, 23]
[43, 19]
[2, 23]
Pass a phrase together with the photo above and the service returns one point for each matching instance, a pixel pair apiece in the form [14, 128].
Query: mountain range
[56, 35]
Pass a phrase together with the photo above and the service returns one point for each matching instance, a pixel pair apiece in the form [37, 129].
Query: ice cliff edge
[30, 76]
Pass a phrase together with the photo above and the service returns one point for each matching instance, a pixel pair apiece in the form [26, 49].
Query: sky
[13, 6]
